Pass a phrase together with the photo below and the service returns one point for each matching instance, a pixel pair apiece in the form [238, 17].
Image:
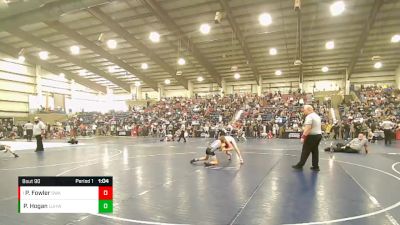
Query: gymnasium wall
[397, 74]
[382, 77]
[18, 90]
[17, 82]
[206, 89]
[283, 83]
[150, 93]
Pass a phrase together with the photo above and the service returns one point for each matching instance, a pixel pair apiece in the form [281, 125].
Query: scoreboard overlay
[65, 194]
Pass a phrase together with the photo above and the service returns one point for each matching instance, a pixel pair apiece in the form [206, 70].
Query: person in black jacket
[336, 128]
[182, 135]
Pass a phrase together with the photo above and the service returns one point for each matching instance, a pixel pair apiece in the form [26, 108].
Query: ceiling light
[167, 81]
[378, 65]
[181, 61]
[137, 83]
[82, 72]
[21, 58]
[154, 37]
[273, 51]
[325, 69]
[62, 75]
[278, 72]
[200, 79]
[395, 38]
[218, 17]
[205, 28]
[111, 69]
[376, 58]
[265, 19]
[337, 8]
[236, 76]
[100, 38]
[330, 45]
[112, 44]
[297, 62]
[43, 55]
[144, 66]
[74, 50]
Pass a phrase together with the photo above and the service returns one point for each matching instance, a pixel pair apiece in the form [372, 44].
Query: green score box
[105, 206]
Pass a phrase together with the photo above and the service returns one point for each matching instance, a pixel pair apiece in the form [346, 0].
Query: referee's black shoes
[297, 167]
[316, 169]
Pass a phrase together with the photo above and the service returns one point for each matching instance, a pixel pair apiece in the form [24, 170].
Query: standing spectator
[182, 135]
[14, 132]
[352, 131]
[336, 128]
[38, 131]
[346, 129]
[20, 131]
[29, 130]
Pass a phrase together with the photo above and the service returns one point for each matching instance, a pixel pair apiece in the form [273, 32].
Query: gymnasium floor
[154, 183]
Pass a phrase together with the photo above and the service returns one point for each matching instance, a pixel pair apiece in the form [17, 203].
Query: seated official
[7, 148]
[354, 146]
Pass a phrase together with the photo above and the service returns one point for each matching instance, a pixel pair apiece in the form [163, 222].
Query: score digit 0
[105, 193]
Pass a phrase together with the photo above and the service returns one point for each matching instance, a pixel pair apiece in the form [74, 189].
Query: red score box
[105, 192]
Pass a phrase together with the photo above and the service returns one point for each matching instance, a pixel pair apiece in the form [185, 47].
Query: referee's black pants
[310, 146]
[39, 143]
[388, 136]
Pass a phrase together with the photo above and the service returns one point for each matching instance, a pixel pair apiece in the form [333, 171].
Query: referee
[38, 132]
[310, 139]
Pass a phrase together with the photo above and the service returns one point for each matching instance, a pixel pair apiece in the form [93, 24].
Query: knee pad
[209, 152]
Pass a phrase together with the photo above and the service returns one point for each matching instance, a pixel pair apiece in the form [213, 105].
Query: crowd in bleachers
[270, 115]
[166, 116]
[273, 114]
[366, 115]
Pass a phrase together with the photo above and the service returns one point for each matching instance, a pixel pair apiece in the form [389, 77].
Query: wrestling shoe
[192, 161]
[16, 156]
[241, 161]
[207, 164]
